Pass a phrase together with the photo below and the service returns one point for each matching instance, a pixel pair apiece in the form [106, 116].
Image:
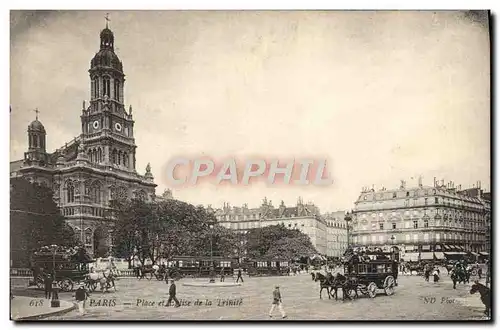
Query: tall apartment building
[304, 217]
[336, 236]
[422, 219]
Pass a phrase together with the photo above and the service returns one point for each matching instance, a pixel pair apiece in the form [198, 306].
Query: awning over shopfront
[447, 247]
[484, 253]
[426, 256]
[426, 248]
[454, 253]
[410, 256]
[474, 253]
[439, 255]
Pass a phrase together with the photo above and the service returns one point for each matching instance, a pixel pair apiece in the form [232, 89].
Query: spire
[107, 20]
[36, 111]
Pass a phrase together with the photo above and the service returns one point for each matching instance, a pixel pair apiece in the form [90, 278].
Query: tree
[160, 230]
[35, 221]
[278, 242]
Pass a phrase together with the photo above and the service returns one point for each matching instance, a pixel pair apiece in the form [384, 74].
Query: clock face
[118, 127]
[95, 124]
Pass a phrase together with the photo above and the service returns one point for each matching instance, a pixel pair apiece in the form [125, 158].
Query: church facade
[97, 166]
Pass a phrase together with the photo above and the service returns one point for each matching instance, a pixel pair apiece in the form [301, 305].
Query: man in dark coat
[239, 276]
[222, 276]
[47, 281]
[172, 291]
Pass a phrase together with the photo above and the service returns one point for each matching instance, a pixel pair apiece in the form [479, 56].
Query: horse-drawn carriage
[66, 266]
[370, 272]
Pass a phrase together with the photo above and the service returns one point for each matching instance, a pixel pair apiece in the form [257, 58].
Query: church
[97, 166]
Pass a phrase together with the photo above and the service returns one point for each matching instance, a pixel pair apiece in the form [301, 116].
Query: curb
[41, 316]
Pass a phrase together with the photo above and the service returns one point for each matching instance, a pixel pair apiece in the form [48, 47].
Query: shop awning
[439, 255]
[474, 253]
[411, 256]
[447, 247]
[426, 248]
[484, 253]
[454, 253]
[426, 256]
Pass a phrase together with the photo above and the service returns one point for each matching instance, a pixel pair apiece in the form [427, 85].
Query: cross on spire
[36, 111]
[107, 19]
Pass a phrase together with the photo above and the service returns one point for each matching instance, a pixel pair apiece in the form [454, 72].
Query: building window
[426, 223]
[393, 195]
[415, 237]
[407, 237]
[407, 194]
[70, 193]
[381, 226]
[117, 89]
[106, 86]
[425, 201]
[393, 225]
[415, 224]
[426, 237]
[436, 200]
[438, 237]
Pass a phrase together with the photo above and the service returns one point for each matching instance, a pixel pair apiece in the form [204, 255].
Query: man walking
[277, 302]
[172, 291]
[47, 281]
[239, 276]
[81, 296]
[222, 276]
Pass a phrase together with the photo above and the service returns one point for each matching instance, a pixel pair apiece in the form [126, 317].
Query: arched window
[106, 86]
[113, 156]
[117, 89]
[70, 192]
[125, 159]
[35, 141]
[99, 157]
[95, 193]
[119, 162]
[96, 87]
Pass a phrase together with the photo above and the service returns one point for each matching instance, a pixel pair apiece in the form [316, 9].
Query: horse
[325, 282]
[142, 271]
[459, 277]
[484, 291]
[342, 282]
[106, 279]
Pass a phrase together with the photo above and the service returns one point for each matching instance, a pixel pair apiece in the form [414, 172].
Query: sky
[383, 96]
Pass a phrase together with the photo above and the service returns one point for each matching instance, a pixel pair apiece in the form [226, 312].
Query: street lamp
[212, 273]
[348, 218]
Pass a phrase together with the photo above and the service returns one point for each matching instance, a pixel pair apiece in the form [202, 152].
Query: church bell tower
[108, 129]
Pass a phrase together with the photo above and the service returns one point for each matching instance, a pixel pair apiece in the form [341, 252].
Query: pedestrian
[81, 296]
[171, 295]
[222, 275]
[239, 276]
[47, 281]
[436, 275]
[427, 273]
[277, 301]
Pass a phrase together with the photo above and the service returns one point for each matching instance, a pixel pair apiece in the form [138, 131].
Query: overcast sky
[383, 96]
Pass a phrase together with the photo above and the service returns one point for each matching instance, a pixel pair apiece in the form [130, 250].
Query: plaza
[414, 299]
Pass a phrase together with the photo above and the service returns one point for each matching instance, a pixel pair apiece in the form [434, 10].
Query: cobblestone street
[414, 299]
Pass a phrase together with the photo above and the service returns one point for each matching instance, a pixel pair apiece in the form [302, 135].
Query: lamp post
[348, 218]
[212, 273]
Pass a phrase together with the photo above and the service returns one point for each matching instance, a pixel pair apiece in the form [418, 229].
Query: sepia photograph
[250, 165]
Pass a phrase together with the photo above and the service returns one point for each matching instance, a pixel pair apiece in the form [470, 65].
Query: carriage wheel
[148, 276]
[66, 285]
[474, 272]
[372, 290]
[159, 277]
[389, 285]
